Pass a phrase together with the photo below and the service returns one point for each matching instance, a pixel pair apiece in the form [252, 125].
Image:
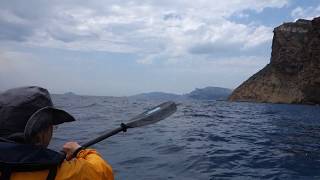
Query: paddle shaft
[104, 136]
[98, 139]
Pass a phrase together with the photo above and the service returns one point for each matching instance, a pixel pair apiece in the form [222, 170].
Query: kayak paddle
[151, 116]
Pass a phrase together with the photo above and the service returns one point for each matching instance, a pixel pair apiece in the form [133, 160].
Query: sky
[126, 47]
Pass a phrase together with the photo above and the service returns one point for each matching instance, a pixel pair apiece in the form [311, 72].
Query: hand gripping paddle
[151, 116]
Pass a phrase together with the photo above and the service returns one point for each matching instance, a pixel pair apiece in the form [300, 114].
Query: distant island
[70, 94]
[207, 93]
[157, 96]
[293, 74]
[210, 93]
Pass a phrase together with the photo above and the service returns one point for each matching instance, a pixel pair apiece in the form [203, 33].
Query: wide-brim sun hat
[25, 111]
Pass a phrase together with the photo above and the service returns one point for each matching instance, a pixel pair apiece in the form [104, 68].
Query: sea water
[202, 140]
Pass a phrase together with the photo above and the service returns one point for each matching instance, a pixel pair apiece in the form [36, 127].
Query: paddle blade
[153, 115]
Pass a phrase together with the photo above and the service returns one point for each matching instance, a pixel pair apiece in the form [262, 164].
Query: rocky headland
[293, 74]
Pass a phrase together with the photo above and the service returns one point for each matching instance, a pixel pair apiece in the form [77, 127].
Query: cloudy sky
[125, 47]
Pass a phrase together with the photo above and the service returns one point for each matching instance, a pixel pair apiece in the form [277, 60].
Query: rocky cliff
[293, 74]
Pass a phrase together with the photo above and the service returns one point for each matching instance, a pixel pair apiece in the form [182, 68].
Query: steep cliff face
[293, 74]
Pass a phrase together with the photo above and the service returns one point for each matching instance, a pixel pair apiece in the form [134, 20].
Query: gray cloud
[306, 13]
[14, 32]
[172, 16]
[189, 40]
[29, 10]
[128, 22]
[217, 49]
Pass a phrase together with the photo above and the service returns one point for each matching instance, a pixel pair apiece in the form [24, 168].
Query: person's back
[27, 118]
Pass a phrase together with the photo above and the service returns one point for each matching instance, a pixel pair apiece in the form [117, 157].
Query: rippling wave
[203, 140]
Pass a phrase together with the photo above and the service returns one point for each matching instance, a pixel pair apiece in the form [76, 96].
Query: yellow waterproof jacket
[87, 165]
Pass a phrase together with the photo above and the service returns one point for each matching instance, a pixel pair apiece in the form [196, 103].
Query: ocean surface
[204, 140]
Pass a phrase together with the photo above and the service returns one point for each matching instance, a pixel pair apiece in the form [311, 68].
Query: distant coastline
[207, 93]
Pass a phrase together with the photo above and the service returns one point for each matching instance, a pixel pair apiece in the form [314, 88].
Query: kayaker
[27, 117]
